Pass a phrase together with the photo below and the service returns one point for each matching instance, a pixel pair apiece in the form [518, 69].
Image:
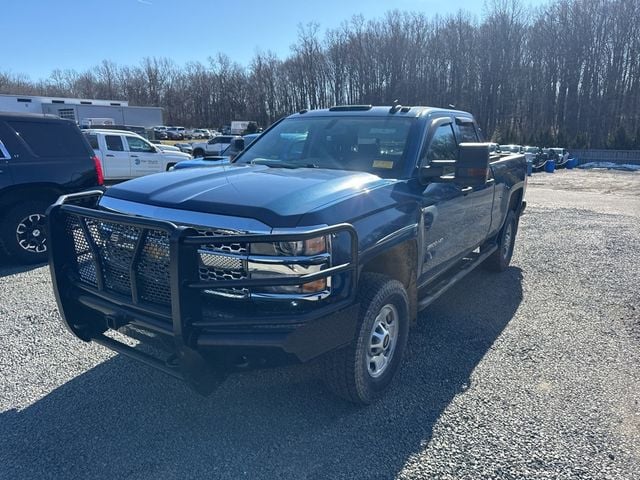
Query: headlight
[313, 246]
[271, 260]
[314, 256]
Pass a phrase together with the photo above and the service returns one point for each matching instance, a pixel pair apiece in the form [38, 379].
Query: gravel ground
[532, 374]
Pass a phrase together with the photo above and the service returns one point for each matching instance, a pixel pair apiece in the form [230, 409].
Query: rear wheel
[364, 369]
[500, 259]
[198, 152]
[23, 231]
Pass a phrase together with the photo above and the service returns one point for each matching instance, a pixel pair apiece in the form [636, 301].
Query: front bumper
[154, 287]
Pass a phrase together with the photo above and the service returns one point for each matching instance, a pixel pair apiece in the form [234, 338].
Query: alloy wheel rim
[506, 242]
[383, 339]
[30, 233]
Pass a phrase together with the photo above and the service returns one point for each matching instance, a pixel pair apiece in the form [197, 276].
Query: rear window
[51, 139]
[93, 140]
[468, 133]
[114, 143]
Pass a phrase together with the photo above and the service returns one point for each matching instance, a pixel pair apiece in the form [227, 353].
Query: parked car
[126, 155]
[535, 156]
[160, 133]
[249, 138]
[215, 146]
[201, 162]
[559, 155]
[511, 149]
[201, 133]
[41, 158]
[184, 147]
[175, 133]
[235, 147]
[324, 252]
[167, 148]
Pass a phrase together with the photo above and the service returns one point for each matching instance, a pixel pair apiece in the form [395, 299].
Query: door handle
[490, 181]
[134, 156]
[108, 155]
[466, 190]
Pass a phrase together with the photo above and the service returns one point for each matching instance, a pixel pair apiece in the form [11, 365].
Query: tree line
[566, 74]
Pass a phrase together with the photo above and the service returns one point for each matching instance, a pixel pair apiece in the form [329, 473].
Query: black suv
[41, 158]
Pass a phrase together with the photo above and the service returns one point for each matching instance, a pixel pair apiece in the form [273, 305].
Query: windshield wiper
[280, 164]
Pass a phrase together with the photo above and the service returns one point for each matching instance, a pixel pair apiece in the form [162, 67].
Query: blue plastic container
[550, 166]
[529, 167]
[572, 163]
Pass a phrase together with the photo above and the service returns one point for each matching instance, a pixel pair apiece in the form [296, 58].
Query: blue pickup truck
[321, 241]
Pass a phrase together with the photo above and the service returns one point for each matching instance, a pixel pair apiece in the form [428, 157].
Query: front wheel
[23, 231]
[364, 369]
[198, 152]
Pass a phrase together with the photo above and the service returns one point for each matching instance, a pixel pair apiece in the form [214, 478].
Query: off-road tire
[500, 259]
[345, 370]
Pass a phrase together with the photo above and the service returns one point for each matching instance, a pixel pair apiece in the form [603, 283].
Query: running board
[441, 287]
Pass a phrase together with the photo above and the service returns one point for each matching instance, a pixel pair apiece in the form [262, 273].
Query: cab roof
[112, 131]
[378, 111]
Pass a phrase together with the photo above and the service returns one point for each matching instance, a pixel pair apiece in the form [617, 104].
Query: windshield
[366, 144]
[531, 149]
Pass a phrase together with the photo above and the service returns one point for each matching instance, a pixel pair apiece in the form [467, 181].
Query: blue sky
[78, 34]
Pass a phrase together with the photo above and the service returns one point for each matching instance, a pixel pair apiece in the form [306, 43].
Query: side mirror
[469, 170]
[472, 167]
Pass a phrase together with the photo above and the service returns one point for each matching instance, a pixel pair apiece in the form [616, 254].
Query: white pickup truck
[214, 146]
[125, 154]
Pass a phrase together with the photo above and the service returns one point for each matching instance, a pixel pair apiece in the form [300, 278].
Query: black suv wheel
[22, 231]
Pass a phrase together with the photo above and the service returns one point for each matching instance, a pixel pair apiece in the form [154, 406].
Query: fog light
[315, 286]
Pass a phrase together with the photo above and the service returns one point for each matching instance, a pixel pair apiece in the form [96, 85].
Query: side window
[4, 154]
[443, 144]
[138, 145]
[114, 143]
[51, 139]
[468, 132]
[93, 141]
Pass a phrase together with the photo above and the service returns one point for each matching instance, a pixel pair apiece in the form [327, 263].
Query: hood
[176, 155]
[278, 197]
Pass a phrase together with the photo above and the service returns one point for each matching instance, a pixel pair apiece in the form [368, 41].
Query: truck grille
[124, 257]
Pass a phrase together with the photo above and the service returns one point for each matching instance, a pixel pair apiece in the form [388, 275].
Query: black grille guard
[185, 286]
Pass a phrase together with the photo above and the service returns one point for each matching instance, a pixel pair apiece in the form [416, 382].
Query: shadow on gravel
[8, 267]
[121, 419]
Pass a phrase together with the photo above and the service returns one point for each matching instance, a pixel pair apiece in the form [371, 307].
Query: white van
[125, 154]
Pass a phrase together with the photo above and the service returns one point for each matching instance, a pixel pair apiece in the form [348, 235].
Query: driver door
[445, 207]
[145, 159]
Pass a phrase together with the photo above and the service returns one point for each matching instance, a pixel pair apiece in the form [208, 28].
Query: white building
[84, 111]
